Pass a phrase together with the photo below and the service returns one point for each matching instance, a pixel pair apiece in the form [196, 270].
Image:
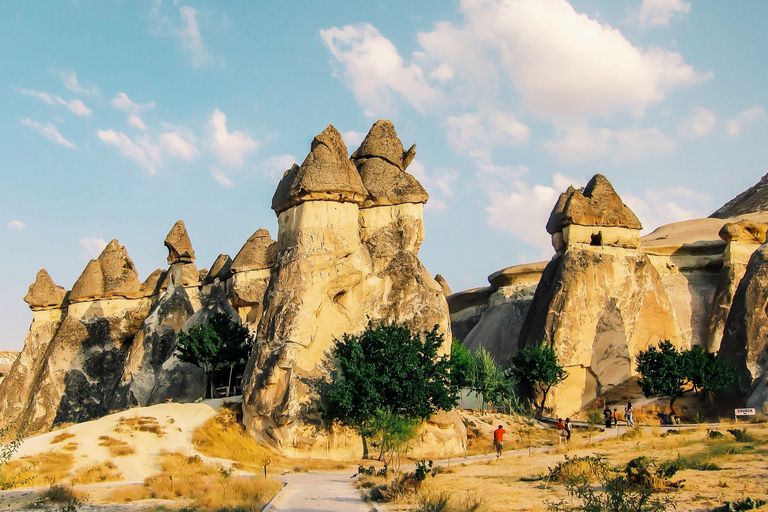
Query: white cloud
[701, 122]
[136, 122]
[176, 145]
[581, 143]
[141, 150]
[69, 79]
[523, 210]
[274, 167]
[736, 125]
[374, 70]
[656, 208]
[435, 205]
[76, 106]
[48, 131]
[230, 147]
[564, 64]
[658, 13]
[17, 225]
[42, 96]
[221, 178]
[123, 102]
[191, 41]
[93, 246]
[353, 139]
[477, 133]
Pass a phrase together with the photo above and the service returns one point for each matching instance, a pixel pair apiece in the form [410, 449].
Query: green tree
[667, 372]
[461, 364]
[537, 365]
[391, 433]
[216, 344]
[485, 376]
[387, 368]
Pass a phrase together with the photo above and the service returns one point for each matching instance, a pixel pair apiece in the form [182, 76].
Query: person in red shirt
[498, 440]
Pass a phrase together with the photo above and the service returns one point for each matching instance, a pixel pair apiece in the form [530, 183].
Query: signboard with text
[744, 412]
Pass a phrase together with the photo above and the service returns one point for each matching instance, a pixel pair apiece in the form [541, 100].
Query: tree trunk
[671, 406]
[365, 447]
[229, 383]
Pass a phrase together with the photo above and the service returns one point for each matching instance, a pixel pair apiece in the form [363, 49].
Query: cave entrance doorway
[597, 239]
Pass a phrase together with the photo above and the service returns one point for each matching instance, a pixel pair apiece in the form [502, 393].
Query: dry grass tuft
[38, 470]
[70, 447]
[224, 437]
[62, 437]
[140, 424]
[98, 472]
[116, 447]
[209, 486]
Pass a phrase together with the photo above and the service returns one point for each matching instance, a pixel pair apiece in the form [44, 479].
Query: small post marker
[266, 462]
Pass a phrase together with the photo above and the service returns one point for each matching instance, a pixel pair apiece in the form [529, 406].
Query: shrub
[740, 434]
[579, 469]
[714, 434]
[434, 501]
[98, 472]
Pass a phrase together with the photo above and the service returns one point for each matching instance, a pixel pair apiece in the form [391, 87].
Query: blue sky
[117, 118]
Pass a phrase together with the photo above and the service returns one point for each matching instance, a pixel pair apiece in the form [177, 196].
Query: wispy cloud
[141, 149]
[274, 167]
[375, 71]
[230, 147]
[221, 178]
[657, 207]
[76, 106]
[582, 143]
[184, 25]
[658, 13]
[701, 122]
[743, 119]
[48, 131]
[136, 122]
[122, 102]
[93, 246]
[176, 145]
[69, 79]
[17, 225]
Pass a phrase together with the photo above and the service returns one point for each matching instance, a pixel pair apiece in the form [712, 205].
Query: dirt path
[326, 491]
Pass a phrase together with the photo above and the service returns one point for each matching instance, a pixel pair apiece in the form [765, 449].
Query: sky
[118, 118]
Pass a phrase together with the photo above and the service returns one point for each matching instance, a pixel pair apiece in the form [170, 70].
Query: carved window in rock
[597, 239]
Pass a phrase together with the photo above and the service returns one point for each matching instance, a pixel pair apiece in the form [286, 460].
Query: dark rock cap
[597, 205]
[744, 230]
[325, 175]
[44, 293]
[381, 161]
[221, 269]
[112, 274]
[257, 253]
[178, 244]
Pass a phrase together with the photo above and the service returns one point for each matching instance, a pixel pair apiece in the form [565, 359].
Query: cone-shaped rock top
[221, 269]
[381, 161]
[257, 253]
[112, 274]
[597, 205]
[44, 293]
[326, 174]
[178, 244]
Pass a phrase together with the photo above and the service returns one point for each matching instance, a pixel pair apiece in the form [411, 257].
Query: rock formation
[600, 300]
[752, 200]
[179, 245]
[346, 254]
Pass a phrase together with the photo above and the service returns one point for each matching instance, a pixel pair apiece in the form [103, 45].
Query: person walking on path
[498, 440]
[628, 414]
[608, 415]
[615, 418]
[568, 429]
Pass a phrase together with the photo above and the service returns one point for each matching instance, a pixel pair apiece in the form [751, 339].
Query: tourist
[608, 416]
[568, 429]
[498, 440]
[628, 414]
[615, 418]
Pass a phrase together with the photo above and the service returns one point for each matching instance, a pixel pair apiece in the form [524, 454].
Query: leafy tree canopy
[387, 368]
[667, 372]
[461, 364]
[538, 366]
[214, 345]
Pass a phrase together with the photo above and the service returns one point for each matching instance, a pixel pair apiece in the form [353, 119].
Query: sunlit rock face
[346, 255]
[600, 300]
[744, 343]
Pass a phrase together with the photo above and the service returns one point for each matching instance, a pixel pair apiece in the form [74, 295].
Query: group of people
[612, 416]
[565, 428]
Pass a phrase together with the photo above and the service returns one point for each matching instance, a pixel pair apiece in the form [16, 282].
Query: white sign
[744, 412]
